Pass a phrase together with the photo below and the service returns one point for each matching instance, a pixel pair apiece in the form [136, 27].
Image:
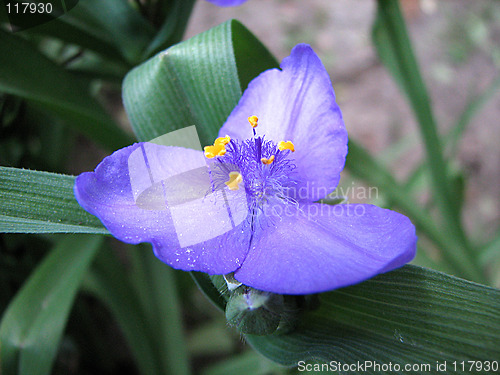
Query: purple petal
[227, 3]
[162, 195]
[297, 104]
[324, 247]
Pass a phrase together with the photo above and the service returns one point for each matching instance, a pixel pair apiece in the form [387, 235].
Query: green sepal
[260, 313]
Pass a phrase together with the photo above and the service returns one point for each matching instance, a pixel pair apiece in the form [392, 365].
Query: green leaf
[175, 17]
[193, 83]
[251, 56]
[94, 67]
[411, 315]
[491, 252]
[111, 28]
[205, 284]
[156, 287]
[116, 22]
[27, 73]
[473, 107]
[208, 339]
[382, 41]
[249, 363]
[175, 88]
[33, 323]
[42, 202]
[143, 300]
[108, 280]
[451, 141]
[77, 34]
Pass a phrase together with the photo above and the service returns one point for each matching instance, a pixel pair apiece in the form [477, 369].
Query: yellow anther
[267, 161]
[222, 140]
[218, 148]
[288, 145]
[215, 150]
[235, 179]
[253, 120]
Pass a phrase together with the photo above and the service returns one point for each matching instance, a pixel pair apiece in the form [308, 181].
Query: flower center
[262, 167]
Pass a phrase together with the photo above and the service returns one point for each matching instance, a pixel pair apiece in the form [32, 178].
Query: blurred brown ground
[457, 43]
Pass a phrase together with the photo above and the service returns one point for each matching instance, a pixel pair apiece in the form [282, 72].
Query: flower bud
[254, 312]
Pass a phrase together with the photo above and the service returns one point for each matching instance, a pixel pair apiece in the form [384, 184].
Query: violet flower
[227, 3]
[281, 150]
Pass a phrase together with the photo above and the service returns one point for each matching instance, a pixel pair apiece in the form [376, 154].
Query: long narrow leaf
[157, 104]
[114, 21]
[249, 363]
[491, 252]
[27, 73]
[109, 282]
[77, 34]
[472, 108]
[33, 323]
[156, 285]
[42, 202]
[176, 16]
[111, 28]
[411, 315]
[203, 282]
[394, 47]
[451, 141]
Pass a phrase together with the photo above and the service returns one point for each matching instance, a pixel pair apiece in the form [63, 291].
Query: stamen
[222, 140]
[253, 120]
[215, 150]
[218, 149]
[267, 161]
[288, 145]
[235, 179]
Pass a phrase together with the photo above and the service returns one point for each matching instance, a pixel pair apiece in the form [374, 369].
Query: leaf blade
[27, 73]
[42, 202]
[116, 22]
[33, 323]
[108, 281]
[394, 47]
[411, 314]
[163, 94]
[175, 18]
